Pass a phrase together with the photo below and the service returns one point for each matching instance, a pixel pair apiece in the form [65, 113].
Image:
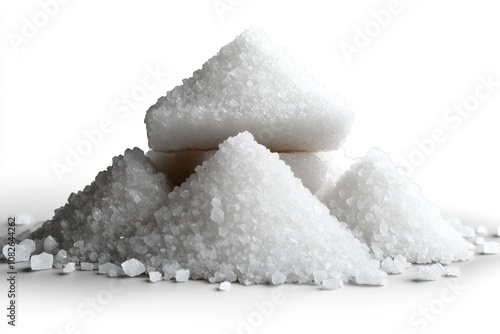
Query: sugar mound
[385, 209]
[244, 216]
[332, 284]
[489, 248]
[133, 267]
[42, 261]
[250, 85]
[155, 276]
[225, 286]
[86, 266]
[69, 267]
[182, 275]
[106, 221]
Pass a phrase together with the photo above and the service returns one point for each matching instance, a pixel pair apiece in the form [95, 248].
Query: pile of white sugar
[246, 181]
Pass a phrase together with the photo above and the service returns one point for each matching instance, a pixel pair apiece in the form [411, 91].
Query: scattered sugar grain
[225, 286]
[182, 275]
[133, 267]
[332, 284]
[155, 276]
[489, 248]
[42, 261]
[69, 267]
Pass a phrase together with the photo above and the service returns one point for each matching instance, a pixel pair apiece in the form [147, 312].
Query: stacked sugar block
[262, 191]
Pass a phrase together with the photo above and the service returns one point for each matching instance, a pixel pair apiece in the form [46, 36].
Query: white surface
[72, 74]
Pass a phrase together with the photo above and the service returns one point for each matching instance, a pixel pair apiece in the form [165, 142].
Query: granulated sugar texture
[250, 85]
[385, 209]
[241, 213]
[102, 222]
[244, 216]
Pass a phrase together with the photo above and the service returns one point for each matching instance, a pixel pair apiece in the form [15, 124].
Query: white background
[73, 72]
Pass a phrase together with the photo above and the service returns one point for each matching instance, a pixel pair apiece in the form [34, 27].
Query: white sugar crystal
[69, 267]
[429, 273]
[278, 278]
[332, 284]
[225, 286]
[111, 269]
[402, 260]
[371, 276]
[452, 272]
[479, 241]
[42, 261]
[22, 251]
[271, 223]
[385, 209]
[133, 267]
[60, 258]
[250, 85]
[489, 247]
[111, 219]
[29, 245]
[86, 266]
[481, 230]
[391, 266]
[468, 232]
[49, 244]
[182, 275]
[155, 276]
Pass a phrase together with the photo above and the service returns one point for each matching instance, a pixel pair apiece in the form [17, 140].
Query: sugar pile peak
[250, 85]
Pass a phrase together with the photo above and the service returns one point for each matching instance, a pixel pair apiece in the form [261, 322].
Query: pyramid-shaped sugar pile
[98, 223]
[244, 216]
[250, 85]
[239, 212]
[385, 209]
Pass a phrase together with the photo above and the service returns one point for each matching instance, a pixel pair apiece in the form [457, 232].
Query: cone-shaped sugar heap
[250, 85]
[244, 216]
[385, 209]
[98, 223]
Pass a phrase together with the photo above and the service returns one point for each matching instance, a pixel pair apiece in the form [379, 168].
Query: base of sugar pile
[247, 182]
